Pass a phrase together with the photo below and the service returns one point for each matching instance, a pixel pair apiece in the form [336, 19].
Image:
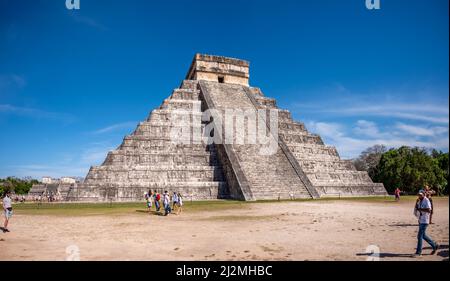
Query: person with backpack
[7, 208]
[157, 197]
[166, 202]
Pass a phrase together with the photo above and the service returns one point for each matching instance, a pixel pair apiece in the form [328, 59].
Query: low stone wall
[374, 189]
[87, 193]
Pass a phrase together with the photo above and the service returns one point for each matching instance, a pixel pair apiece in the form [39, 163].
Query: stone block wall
[169, 150]
[152, 159]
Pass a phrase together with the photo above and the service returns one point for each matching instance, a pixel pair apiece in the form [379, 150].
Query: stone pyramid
[184, 146]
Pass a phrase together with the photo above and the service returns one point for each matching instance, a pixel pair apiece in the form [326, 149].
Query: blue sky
[74, 82]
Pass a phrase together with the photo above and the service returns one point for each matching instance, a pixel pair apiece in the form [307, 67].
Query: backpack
[158, 197]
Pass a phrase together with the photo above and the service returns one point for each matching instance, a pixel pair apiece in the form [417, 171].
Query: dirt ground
[312, 230]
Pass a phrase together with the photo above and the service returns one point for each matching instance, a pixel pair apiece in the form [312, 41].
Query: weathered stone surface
[159, 155]
[329, 175]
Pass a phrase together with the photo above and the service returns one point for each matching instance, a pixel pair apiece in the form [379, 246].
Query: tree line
[19, 186]
[406, 168]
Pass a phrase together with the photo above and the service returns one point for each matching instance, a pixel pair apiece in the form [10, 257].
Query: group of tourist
[19, 198]
[49, 198]
[156, 198]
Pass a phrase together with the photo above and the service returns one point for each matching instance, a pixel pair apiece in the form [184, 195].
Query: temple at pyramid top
[219, 69]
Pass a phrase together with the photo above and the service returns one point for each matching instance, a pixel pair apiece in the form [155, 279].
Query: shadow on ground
[386, 255]
[442, 252]
[155, 213]
[404, 224]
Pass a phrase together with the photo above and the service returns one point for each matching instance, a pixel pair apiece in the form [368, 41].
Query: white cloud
[76, 165]
[38, 171]
[420, 112]
[12, 80]
[428, 105]
[35, 113]
[408, 116]
[95, 155]
[367, 133]
[326, 129]
[414, 130]
[367, 128]
[90, 22]
[115, 127]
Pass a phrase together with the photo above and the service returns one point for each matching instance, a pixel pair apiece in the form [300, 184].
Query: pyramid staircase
[173, 149]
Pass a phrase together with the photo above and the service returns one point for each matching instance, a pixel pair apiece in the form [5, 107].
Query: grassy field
[86, 209]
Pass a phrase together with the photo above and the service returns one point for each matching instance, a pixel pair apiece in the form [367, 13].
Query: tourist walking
[397, 194]
[175, 200]
[157, 197]
[166, 202]
[423, 210]
[429, 193]
[148, 198]
[7, 209]
[179, 204]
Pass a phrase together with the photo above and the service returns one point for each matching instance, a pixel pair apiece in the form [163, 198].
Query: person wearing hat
[423, 210]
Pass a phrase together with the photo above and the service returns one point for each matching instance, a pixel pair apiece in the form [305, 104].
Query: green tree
[409, 169]
[19, 186]
[442, 159]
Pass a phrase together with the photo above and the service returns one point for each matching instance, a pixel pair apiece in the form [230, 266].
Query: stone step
[284, 115]
[171, 158]
[165, 150]
[151, 141]
[159, 139]
[266, 102]
[177, 104]
[169, 123]
[302, 157]
[295, 132]
[185, 94]
[374, 189]
[159, 167]
[339, 177]
[155, 176]
[157, 185]
[119, 152]
[326, 166]
[168, 131]
[167, 115]
[271, 172]
[291, 125]
[189, 84]
[309, 139]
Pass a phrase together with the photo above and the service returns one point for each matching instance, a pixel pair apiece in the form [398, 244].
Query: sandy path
[321, 230]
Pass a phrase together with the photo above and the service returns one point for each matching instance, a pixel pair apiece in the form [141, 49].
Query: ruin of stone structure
[297, 165]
